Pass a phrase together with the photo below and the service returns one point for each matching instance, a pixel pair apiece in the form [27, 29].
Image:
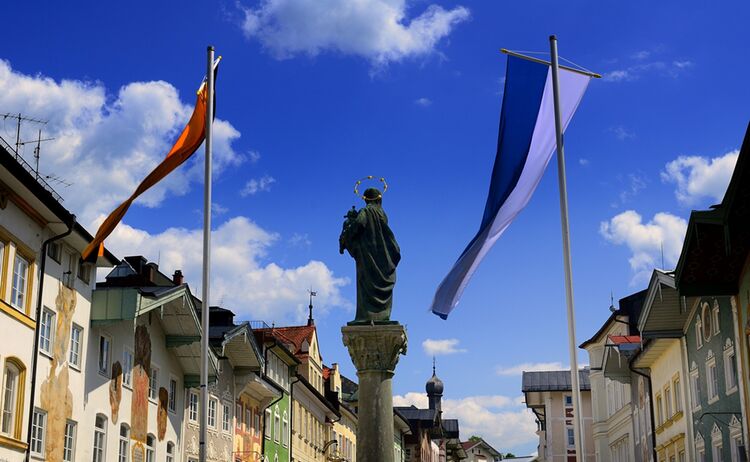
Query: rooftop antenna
[37, 149]
[661, 245]
[310, 320]
[612, 307]
[20, 118]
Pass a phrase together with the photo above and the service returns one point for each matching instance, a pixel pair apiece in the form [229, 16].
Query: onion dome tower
[434, 388]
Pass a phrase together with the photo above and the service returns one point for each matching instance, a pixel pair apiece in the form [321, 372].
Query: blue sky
[315, 95]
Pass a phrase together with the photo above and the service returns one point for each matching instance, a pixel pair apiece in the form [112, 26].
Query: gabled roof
[553, 381]
[717, 241]
[427, 417]
[663, 315]
[293, 336]
[467, 445]
[629, 307]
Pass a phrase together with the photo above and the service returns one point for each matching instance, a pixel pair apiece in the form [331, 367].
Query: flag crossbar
[541, 61]
[203, 83]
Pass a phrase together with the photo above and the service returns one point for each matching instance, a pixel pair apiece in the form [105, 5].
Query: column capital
[375, 347]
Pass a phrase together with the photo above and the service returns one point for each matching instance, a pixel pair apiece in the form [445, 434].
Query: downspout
[650, 408]
[35, 351]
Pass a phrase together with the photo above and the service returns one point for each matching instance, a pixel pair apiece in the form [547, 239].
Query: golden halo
[370, 177]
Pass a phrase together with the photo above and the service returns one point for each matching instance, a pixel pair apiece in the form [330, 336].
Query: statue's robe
[371, 243]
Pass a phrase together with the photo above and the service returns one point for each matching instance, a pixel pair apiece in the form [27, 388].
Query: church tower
[434, 388]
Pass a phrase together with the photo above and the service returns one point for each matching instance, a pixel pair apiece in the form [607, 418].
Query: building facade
[548, 395]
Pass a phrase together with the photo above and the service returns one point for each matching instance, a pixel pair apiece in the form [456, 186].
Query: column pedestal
[375, 350]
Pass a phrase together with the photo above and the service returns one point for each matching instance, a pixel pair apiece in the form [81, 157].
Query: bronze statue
[369, 240]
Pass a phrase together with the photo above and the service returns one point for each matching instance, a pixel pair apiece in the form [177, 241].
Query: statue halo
[369, 177]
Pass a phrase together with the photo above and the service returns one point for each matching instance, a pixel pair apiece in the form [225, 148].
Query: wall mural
[55, 396]
[139, 405]
[161, 415]
[115, 390]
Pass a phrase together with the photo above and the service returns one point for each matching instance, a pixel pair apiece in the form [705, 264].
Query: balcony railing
[259, 325]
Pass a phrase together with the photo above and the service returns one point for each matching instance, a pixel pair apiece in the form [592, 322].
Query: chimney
[178, 278]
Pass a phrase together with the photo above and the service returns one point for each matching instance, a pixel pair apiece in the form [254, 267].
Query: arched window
[170, 452]
[276, 424]
[150, 448]
[124, 454]
[13, 384]
[100, 438]
[285, 430]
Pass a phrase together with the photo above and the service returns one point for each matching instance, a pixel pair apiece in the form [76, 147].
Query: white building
[31, 214]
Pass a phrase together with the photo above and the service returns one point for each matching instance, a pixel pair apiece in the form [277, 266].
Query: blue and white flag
[525, 145]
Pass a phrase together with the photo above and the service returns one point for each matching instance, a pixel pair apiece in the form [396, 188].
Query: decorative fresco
[161, 415]
[247, 442]
[141, 371]
[55, 395]
[115, 390]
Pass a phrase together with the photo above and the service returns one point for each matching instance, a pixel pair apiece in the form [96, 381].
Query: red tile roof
[294, 335]
[620, 339]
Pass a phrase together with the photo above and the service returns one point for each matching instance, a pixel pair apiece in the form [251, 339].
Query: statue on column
[370, 241]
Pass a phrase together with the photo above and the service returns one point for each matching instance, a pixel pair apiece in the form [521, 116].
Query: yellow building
[344, 431]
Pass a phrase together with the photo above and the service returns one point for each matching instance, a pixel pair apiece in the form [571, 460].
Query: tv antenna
[37, 149]
[20, 118]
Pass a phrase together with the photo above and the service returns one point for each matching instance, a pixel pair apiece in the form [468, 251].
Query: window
[193, 407]
[127, 368]
[248, 419]
[571, 438]
[712, 379]
[659, 411]
[238, 416]
[20, 281]
[46, 331]
[84, 271]
[54, 251]
[172, 394]
[267, 424]
[715, 317]
[38, 430]
[150, 451]
[100, 438]
[716, 451]
[730, 369]
[568, 400]
[153, 383]
[285, 430]
[11, 387]
[668, 401]
[677, 394]
[695, 388]
[212, 413]
[124, 453]
[70, 275]
[104, 354]
[69, 441]
[256, 422]
[170, 452]
[698, 333]
[226, 417]
[276, 425]
[76, 335]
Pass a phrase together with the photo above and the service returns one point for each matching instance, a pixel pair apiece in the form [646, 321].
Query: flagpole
[205, 307]
[577, 409]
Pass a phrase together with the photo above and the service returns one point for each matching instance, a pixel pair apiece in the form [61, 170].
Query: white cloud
[583, 161]
[621, 133]
[424, 102]
[257, 185]
[635, 184]
[502, 421]
[378, 30]
[300, 240]
[699, 177]
[528, 367]
[641, 55]
[106, 144]
[667, 69]
[241, 278]
[646, 240]
[436, 347]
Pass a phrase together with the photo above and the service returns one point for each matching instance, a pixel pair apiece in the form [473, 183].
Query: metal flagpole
[205, 307]
[577, 417]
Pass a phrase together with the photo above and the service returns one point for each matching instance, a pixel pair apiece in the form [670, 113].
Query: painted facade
[31, 214]
[741, 310]
[714, 401]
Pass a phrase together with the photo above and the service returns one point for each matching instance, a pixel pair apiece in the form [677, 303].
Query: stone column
[375, 350]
